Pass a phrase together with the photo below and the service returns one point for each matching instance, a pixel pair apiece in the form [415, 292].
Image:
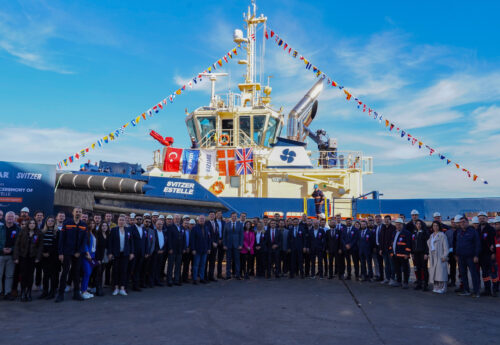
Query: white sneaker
[87, 295]
[123, 293]
[115, 292]
[67, 289]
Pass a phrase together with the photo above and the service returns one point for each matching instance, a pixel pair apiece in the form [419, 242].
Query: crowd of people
[85, 253]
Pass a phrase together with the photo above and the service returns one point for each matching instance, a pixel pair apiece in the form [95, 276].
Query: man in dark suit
[366, 245]
[331, 249]
[200, 246]
[187, 257]
[233, 242]
[386, 235]
[260, 250]
[297, 245]
[140, 238]
[176, 246]
[351, 239]
[317, 246]
[273, 244]
[159, 255]
[306, 225]
[221, 225]
[213, 233]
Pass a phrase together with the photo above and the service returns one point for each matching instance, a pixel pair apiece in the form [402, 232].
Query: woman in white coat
[438, 258]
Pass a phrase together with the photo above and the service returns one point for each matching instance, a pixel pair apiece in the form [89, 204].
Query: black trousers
[284, 261]
[453, 268]
[307, 264]
[210, 266]
[158, 266]
[137, 269]
[252, 264]
[38, 273]
[107, 273]
[330, 266]
[246, 264]
[339, 264]
[273, 258]
[220, 257]
[261, 264]
[70, 262]
[120, 267]
[401, 268]
[296, 263]
[96, 277]
[26, 270]
[325, 261]
[187, 261]
[51, 267]
[366, 264]
[421, 270]
[352, 254]
[174, 264]
[148, 271]
[317, 255]
[380, 261]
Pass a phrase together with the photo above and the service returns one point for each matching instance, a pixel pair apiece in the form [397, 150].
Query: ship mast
[250, 87]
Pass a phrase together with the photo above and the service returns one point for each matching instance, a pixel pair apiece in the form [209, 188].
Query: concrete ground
[257, 312]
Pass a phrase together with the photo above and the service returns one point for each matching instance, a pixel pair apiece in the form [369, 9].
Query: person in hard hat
[319, 199]
[400, 250]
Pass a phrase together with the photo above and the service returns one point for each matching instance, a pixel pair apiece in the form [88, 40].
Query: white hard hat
[400, 221]
[170, 217]
[475, 220]
[147, 215]
[161, 216]
[414, 212]
[155, 214]
[132, 215]
[192, 221]
[497, 219]
[185, 216]
[436, 214]
[458, 218]
[482, 213]
[25, 209]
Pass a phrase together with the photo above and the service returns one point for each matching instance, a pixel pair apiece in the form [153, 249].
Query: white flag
[207, 163]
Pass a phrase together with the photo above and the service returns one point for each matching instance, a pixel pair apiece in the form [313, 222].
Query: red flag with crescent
[172, 159]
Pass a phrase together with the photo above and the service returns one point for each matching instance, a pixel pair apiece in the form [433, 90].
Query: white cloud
[487, 119]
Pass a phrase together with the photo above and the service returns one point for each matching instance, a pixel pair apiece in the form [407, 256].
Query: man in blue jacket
[71, 244]
[351, 240]
[140, 238]
[233, 242]
[467, 249]
[400, 250]
[296, 242]
[317, 241]
[201, 244]
[176, 247]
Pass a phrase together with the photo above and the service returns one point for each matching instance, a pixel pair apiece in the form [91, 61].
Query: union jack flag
[244, 161]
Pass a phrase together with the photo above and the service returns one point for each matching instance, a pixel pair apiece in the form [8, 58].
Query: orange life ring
[217, 187]
[224, 139]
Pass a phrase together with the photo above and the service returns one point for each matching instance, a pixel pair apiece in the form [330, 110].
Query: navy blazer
[351, 237]
[269, 240]
[233, 239]
[140, 243]
[296, 242]
[334, 241]
[114, 242]
[366, 242]
[317, 244]
[176, 239]
[200, 240]
[262, 241]
[213, 232]
[220, 232]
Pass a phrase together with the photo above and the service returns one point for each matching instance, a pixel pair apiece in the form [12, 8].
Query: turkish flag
[226, 162]
[172, 159]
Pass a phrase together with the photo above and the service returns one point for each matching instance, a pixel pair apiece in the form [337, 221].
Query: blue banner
[27, 185]
[190, 162]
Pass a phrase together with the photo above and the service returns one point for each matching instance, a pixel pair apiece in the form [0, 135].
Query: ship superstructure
[282, 165]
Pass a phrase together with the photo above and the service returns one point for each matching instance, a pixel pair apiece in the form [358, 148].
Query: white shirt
[376, 234]
[122, 240]
[395, 241]
[161, 239]
[139, 228]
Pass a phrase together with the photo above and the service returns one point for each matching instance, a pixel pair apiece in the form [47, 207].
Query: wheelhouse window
[191, 130]
[259, 122]
[271, 131]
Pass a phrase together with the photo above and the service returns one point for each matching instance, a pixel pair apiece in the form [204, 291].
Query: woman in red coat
[247, 250]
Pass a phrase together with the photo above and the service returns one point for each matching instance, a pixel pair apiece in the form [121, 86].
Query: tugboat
[243, 159]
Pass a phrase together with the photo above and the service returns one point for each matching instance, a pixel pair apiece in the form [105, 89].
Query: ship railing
[225, 138]
[342, 160]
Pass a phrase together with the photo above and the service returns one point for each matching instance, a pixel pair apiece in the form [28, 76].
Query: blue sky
[70, 72]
